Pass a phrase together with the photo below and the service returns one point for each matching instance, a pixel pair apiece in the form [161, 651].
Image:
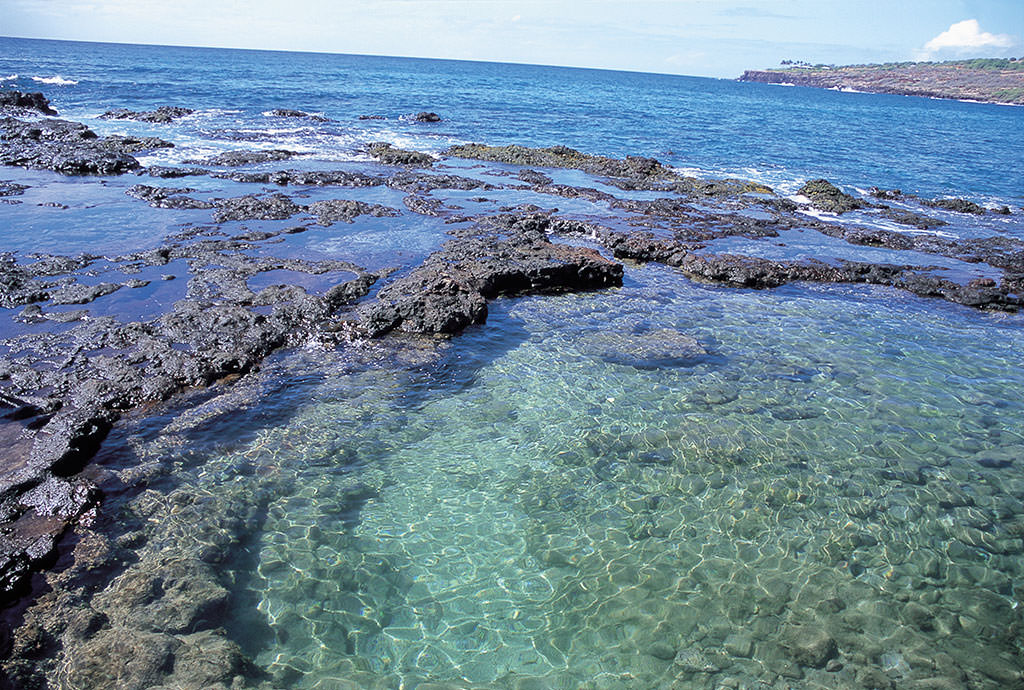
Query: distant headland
[992, 80]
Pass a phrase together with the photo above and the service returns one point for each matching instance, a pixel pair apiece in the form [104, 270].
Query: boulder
[809, 645]
[827, 197]
[26, 101]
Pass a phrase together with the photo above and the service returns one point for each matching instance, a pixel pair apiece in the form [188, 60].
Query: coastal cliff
[988, 80]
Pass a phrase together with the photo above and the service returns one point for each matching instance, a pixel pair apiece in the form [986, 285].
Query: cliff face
[957, 80]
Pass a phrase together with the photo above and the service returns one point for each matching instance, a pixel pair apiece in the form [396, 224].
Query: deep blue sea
[834, 498]
[777, 134]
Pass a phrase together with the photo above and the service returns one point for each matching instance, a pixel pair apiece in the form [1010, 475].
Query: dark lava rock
[651, 349]
[425, 206]
[754, 272]
[10, 188]
[60, 145]
[954, 204]
[288, 112]
[827, 197]
[390, 155]
[164, 171]
[372, 117]
[565, 157]
[237, 158]
[888, 194]
[916, 220]
[504, 255]
[167, 197]
[314, 178]
[426, 117]
[412, 183]
[809, 645]
[28, 101]
[161, 115]
[82, 294]
[125, 144]
[251, 207]
[344, 210]
[534, 177]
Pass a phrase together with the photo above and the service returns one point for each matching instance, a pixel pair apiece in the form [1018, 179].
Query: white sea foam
[57, 80]
[9, 77]
[863, 220]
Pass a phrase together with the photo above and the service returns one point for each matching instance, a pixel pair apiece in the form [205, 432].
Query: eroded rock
[504, 255]
[161, 115]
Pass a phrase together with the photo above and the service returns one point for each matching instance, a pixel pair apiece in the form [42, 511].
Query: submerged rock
[653, 349]
[809, 645]
[170, 594]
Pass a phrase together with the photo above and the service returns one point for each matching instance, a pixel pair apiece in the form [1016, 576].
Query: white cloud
[967, 36]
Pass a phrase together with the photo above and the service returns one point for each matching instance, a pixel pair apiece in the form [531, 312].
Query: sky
[713, 38]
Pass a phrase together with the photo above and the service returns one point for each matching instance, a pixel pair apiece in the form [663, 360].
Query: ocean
[832, 497]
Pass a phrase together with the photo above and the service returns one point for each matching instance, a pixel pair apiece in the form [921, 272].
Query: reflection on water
[831, 496]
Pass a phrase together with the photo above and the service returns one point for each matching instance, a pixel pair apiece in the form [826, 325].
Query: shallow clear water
[533, 506]
[540, 506]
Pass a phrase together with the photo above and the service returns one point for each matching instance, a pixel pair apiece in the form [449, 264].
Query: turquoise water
[827, 492]
[529, 510]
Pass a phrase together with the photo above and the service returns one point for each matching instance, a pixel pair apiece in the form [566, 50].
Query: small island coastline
[990, 80]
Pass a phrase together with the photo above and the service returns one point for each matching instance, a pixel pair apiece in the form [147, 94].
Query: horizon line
[374, 55]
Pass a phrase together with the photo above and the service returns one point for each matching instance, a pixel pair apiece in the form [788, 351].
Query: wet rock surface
[239, 158]
[289, 112]
[161, 115]
[66, 147]
[345, 210]
[390, 155]
[57, 417]
[826, 196]
[167, 197]
[17, 101]
[504, 255]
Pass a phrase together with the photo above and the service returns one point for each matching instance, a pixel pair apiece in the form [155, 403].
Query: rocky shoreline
[64, 388]
[959, 80]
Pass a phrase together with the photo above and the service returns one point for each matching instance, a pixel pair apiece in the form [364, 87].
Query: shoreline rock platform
[54, 419]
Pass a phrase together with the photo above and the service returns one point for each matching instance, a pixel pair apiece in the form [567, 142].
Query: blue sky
[696, 37]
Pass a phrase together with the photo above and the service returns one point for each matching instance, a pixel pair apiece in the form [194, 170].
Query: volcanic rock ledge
[502, 255]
